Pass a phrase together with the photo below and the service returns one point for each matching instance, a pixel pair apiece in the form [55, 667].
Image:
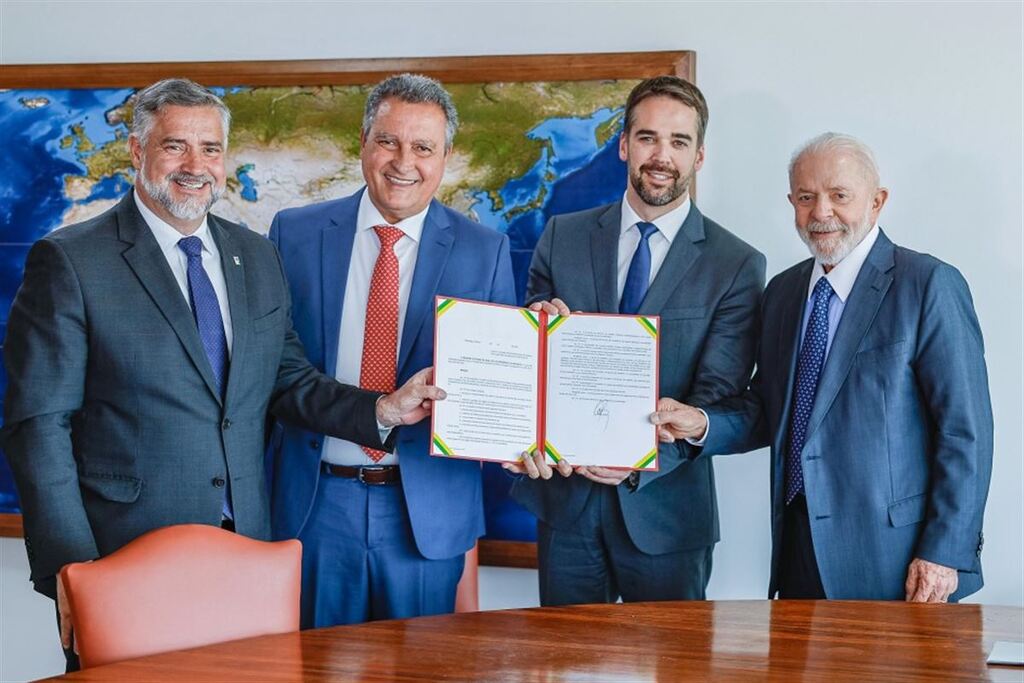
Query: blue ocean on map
[572, 174]
[32, 192]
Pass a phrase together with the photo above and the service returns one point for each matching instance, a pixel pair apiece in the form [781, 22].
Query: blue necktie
[638, 277]
[808, 370]
[206, 310]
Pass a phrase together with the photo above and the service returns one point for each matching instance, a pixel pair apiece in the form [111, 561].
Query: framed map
[539, 137]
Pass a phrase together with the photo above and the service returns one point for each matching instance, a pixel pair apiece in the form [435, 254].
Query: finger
[531, 466]
[665, 436]
[564, 468]
[559, 306]
[535, 306]
[427, 392]
[924, 589]
[666, 403]
[513, 467]
[542, 465]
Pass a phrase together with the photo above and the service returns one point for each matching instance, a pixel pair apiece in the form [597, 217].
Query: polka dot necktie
[808, 370]
[638, 277]
[380, 335]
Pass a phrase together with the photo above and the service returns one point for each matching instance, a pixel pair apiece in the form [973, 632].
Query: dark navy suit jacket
[457, 258]
[898, 452]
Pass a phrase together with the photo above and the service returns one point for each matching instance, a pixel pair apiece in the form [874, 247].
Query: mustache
[182, 176]
[654, 167]
[830, 226]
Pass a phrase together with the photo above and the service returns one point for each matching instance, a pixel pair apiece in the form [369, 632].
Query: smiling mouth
[400, 182]
[191, 185]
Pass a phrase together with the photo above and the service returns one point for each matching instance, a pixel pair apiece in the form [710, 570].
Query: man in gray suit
[646, 536]
[872, 391]
[144, 350]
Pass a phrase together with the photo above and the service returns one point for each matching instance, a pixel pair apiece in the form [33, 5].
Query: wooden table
[671, 641]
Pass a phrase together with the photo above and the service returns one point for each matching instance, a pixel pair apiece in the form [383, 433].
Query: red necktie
[380, 335]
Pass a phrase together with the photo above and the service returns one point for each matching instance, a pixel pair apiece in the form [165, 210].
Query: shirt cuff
[707, 430]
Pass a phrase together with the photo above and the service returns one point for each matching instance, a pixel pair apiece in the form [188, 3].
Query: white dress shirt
[842, 277]
[629, 237]
[167, 236]
[365, 249]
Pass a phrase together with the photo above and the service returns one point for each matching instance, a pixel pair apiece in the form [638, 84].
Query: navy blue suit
[898, 452]
[457, 257]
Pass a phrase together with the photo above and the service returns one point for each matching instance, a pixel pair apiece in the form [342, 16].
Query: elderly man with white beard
[872, 392]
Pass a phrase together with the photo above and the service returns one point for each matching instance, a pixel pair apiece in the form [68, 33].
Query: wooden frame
[551, 67]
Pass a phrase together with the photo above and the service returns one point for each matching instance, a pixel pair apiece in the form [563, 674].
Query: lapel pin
[238, 261]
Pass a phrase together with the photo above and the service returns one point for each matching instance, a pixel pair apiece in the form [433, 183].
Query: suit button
[314, 445]
[226, 425]
[218, 482]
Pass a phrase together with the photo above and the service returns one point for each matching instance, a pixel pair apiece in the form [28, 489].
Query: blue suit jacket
[456, 257]
[898, 453]
[706, 292]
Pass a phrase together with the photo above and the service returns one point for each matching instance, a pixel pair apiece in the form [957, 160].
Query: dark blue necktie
[206, 310]
[638, 277]
[808, 370]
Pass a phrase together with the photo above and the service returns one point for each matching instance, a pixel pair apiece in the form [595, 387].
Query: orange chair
[180, 587]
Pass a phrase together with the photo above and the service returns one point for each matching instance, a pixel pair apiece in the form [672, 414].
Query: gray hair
[838, 142]
[414, 89]
[173, 92]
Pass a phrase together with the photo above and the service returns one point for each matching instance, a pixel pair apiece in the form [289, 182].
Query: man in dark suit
[144, 349]
[646, 536]
[384, 536]
[873, 394]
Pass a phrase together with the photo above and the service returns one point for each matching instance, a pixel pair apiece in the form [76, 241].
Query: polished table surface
[755, 640]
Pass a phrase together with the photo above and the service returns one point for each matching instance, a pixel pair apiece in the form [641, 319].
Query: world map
[525, 151]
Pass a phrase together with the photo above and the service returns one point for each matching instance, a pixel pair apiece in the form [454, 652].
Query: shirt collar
[845, 272]
[167, 236]
[668, 225]
[369, 216]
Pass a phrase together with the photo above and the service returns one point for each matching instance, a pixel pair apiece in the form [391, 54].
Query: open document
[581, 387]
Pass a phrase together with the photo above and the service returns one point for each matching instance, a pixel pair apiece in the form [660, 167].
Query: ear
[791, 200]
[135, 150]
[624, 146]
[362, 139]
[699, 160]
[877, 202]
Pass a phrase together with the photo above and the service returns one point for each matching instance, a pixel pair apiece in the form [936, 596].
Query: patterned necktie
[206, 310]
[380, 335]
[808, 370]
[638, 277]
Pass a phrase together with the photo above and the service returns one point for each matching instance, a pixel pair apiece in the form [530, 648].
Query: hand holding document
[579, 387]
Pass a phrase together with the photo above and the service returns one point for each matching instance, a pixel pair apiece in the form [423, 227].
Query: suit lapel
[866, 297]
[238, 302]
[150, 267]
[435, 246]
[682, 254]
[336, 241]
[790, 324]
[604, 256]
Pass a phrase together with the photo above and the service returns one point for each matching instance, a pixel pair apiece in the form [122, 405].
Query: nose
[403, 159]
[192, 161]
[822, 210]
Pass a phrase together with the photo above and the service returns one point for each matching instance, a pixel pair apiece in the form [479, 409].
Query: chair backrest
[180, 587]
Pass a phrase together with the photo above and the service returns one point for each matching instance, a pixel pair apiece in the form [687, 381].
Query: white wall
[935, 88]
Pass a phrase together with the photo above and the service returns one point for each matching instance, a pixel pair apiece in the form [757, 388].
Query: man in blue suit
[873, 394]
[383, 536]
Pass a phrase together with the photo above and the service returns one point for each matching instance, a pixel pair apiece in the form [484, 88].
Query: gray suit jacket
[707, 294]
[898, 453]
[113, 425]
